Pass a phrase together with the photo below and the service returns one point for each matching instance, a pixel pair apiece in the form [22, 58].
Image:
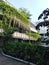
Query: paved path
[8, 61]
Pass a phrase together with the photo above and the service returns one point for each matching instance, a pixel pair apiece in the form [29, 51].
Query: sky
[34, 6]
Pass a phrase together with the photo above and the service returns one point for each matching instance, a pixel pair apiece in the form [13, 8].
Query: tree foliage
[10, 14]
[9, 10]
[25, 13]
[44, 14]
[13, 20]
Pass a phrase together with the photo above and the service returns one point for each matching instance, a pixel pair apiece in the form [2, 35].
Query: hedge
[28, 52]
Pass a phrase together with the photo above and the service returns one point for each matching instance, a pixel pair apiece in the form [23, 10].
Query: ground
[8, 61]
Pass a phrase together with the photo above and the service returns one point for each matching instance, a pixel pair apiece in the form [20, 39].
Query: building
[22, 28]
[33, 28]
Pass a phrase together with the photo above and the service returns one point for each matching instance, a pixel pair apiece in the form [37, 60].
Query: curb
[26, 62]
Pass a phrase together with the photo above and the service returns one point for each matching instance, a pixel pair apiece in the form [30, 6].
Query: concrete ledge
[26, 62]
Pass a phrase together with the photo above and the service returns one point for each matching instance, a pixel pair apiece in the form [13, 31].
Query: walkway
[8, 61]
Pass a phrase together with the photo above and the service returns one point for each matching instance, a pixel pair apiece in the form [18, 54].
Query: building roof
[32, 27]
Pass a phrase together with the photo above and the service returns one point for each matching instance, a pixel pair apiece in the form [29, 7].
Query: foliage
[11, 14]
[10, 11]
[28, 52]
[25, 13]
[44, 14]
[34, 35]
[1, 0]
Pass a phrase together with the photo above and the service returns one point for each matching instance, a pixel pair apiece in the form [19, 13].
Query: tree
[25, 13]
[44, 14]
[1, 0]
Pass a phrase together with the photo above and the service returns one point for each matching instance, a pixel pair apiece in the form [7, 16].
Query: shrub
[28, 52]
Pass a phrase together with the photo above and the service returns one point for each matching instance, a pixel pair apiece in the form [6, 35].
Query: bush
[28, 52]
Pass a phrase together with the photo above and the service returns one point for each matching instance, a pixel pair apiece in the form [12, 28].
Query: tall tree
[44, 14]
[25, 13]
